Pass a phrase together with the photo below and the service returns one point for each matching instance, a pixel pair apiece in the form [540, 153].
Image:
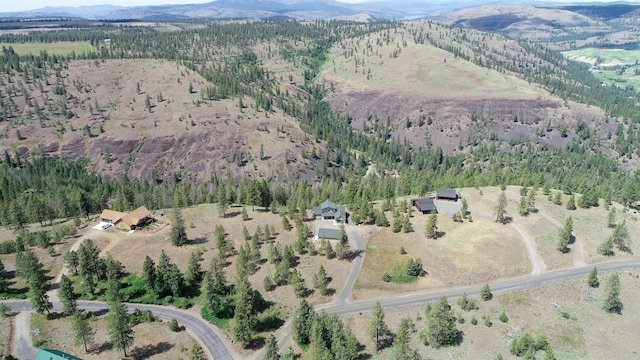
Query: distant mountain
[298, 9]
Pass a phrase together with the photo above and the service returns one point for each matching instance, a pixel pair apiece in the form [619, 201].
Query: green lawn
[623, 72]
[57, 48]
[605, 55]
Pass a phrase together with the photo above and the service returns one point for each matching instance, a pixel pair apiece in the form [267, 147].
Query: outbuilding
[447, 194]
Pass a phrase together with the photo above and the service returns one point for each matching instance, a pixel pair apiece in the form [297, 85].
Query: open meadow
[63, 48]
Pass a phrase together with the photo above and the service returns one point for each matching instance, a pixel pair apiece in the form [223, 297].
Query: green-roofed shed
[48, 354]
[329, 234]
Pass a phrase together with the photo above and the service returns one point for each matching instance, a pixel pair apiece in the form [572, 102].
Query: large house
[133, 220]
[329, 210]
[425, 205]
[447, 194]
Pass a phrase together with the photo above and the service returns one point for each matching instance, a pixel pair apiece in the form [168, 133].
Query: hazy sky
[17, 5]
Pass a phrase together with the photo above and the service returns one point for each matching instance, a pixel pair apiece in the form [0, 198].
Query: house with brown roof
[111, 216]
[137, 218]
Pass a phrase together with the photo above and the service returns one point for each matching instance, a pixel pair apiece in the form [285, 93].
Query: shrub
[386, 277]
[474, 321]
[174, 326]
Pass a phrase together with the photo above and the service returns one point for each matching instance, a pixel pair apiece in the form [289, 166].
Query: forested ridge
[226, 54]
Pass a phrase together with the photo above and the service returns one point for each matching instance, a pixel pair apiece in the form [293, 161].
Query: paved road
[355, 238]
[204, 333]
[499, 287]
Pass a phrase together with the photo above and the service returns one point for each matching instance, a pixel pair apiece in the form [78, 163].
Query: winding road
[208, 336]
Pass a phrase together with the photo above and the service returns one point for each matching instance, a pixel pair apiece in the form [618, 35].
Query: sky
[13, 5]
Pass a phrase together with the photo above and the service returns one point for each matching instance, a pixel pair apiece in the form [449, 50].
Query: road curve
[213, 346]
[499, 287]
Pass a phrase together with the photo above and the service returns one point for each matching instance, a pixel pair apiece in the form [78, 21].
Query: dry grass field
[587, 333]
[465, 253]
[63, 48]
[152, 340]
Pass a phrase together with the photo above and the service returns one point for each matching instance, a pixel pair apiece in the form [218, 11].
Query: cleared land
[152, 340]
[587, 332]
[56, 48]
[465, 253]
[617, 67]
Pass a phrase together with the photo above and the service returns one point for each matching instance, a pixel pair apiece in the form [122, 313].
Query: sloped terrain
[139, 117]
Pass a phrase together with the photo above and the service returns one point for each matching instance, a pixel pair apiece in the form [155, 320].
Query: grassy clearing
[422, 69]
[57, 48]
[615, 66]
[606, 56]
[466, 253]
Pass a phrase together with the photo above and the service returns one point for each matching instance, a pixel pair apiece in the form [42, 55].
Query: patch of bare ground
[568, 314]
[464, 253]
[139, 116]
[151, 340]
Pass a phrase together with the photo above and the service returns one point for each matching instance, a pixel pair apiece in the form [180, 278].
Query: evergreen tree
[195, 352]
[192, 275]
[378, 330]
[558, 198]
[178, 234]
[67, 296]
[271, 349]
[501, 208]
[611, 218]
[149, 272]
[301, 323]
[565, 235]
[4, 283]
[441, 325]
[297, 282]
[620, 237]
[612, 302]
[401, 349]
[523, 206]
[89, 263]
[431, 228]
[244, 319]
[320, 281]
[485, 293]
[593, 278]
[119, 327]
[606, 247]
[83, 333]
[38, 287]
[396, 225]
[465, 208]
[406, 225]
[571, 203]
[71, 260]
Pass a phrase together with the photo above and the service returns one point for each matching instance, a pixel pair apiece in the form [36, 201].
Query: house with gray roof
[425, 205]
[447, 194]
[328, 210]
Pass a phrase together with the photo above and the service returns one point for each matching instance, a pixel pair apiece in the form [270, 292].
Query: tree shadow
[147, 351]
[198, 240]
[105, 346]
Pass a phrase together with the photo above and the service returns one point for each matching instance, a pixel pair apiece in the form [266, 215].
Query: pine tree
[119, 327]
[611, 218]
[83, 333]
[441, 325]
[378, 330]
[244, 319]
[612, 302]
[178, 234]
[571, 203]
[565, 235]
[297, 282]
[195, 352]
[593, 278]
[431, 228]
[396, 225]
[523, 206]
[406, 225]
[606, 247]
[401, 349]
[620, 237]
[558, 198]
[192, 275]
[71, 260]
[485, 293]
[149, 272]
[38, 287]
[301, 323]
[320, 281]
[4, 283]
[501, 208]
[465, 208]
[271, 349]
[67, 296]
